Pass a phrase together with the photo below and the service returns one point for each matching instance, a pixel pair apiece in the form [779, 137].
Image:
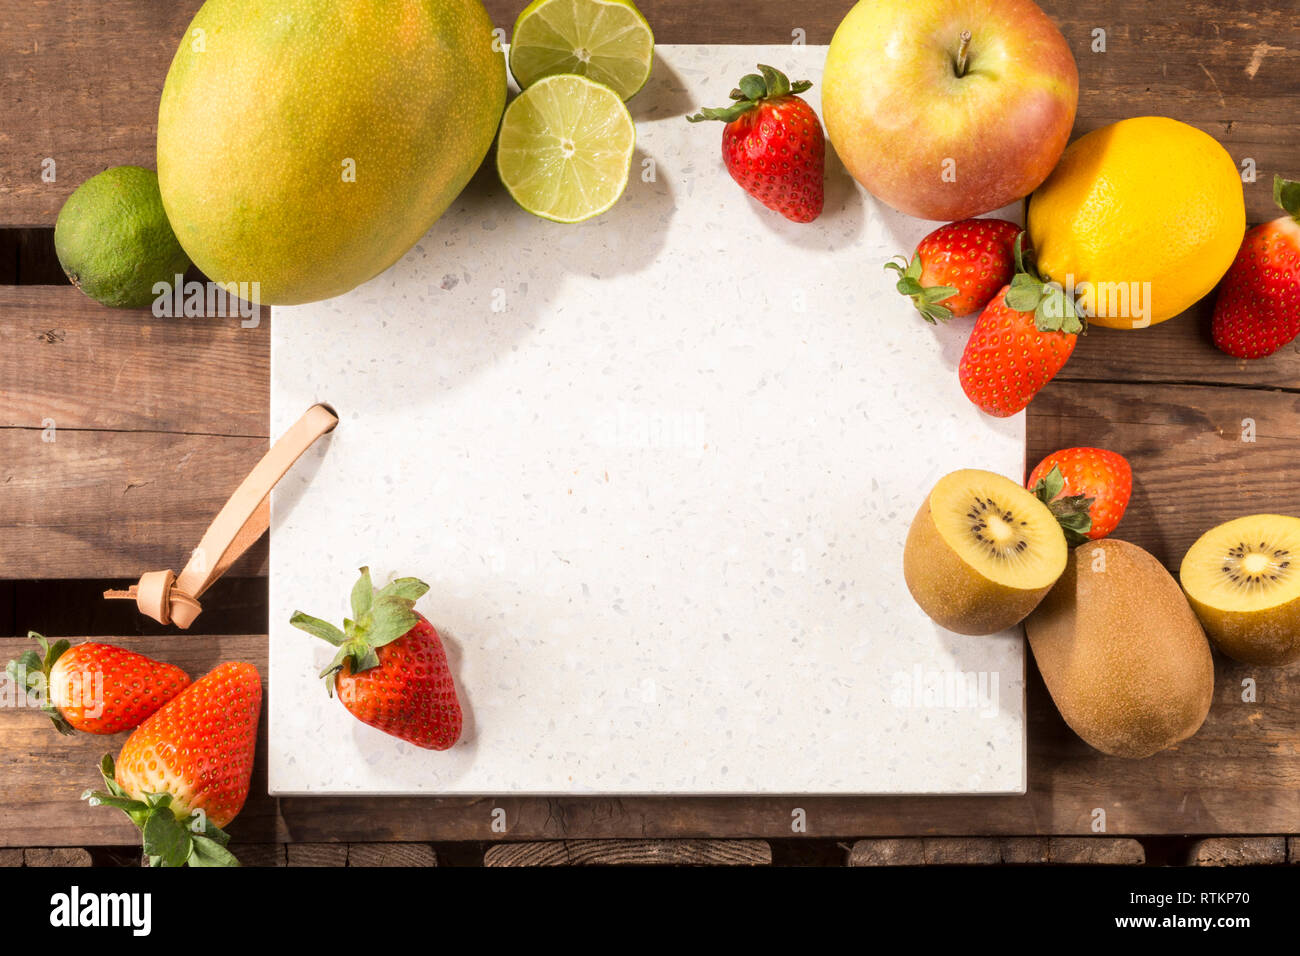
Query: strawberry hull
[1009, 357]
[95, 688]
[410, 694]
[391, 671]
[958, 269]
[773, 144]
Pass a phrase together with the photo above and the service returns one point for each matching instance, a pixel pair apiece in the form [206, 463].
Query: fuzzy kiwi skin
[1270, 637]
[953, 593]
[1121, 651]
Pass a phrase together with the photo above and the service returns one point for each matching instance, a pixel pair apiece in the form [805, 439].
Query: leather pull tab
[172, 599]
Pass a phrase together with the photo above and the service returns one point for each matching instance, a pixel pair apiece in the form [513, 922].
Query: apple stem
[962, 52]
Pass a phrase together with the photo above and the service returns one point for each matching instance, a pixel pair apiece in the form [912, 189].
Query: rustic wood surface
[155, 422]
[1240, 773]
[1226, 66]
[631, 853]
[916, 851]
[93, 424]
[1218, 851]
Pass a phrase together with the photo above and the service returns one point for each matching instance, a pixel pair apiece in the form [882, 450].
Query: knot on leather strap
[169, 599]
[158, 597]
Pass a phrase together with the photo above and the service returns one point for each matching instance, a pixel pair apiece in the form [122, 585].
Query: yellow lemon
[1143, 216]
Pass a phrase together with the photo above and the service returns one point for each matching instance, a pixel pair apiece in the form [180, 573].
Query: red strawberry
[184, 773]
[1020, 341]
[1258, 309]
[958, 268]
[773, 144]
[95, 688]
[391, 671]
[1093, 483]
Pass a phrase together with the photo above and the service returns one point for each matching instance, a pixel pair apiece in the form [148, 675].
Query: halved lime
[607, 40]
[565, 148]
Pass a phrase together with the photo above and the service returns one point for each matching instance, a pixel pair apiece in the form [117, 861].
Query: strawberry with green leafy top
[391, 670]
[184, 774]
[95, 688]
[773, 144]
[1087, 489]
[1258, 308]
[958, 268]
[1024, 336]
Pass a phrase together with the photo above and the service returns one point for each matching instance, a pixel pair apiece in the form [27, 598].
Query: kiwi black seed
[1240, 579]
[981, 552]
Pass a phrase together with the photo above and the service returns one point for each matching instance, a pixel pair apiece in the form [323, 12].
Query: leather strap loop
[170, 599]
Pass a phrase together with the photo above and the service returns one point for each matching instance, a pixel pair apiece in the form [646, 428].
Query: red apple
[946, 109]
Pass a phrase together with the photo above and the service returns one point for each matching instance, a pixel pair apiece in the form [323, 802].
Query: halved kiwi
[982, 552]
[1242, 579]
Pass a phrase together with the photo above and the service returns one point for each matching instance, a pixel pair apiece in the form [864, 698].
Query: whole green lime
[113, 239]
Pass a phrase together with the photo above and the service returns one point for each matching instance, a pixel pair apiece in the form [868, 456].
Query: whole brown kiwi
[1121, 651]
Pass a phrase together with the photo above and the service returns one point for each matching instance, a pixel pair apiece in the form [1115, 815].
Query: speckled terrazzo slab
[658, 469]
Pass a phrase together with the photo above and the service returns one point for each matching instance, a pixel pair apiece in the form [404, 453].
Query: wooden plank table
[142, 455]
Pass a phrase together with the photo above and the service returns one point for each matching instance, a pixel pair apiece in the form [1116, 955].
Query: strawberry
[184, 773]
[1086, 488]
[773, 144]
[1258, 309]
[95, 688]
[958, 268]
[1024, 336]
[390, 670]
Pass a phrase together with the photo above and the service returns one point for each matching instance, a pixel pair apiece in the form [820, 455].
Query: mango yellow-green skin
[954, 594]
[1270, 636]
[1121, 652]
[306, 145]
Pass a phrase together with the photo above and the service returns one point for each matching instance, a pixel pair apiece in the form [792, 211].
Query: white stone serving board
[658, 469]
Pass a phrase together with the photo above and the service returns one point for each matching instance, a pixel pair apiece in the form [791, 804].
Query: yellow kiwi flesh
[1121, 651]
[981, 553]
[1243, 581]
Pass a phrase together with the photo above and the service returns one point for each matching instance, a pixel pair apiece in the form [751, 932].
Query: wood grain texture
[318, 854]
[1192, 469]
[58, 856]
[257, 854]
[914, 851]
[1179, 351]
[1221, 851]
[122, 434]
[631, 853]
[79, 365]
[391, 854]
[1239, 774]
[1224, 66]
[115, 504]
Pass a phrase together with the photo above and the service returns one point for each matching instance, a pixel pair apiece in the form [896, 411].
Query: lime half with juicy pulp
[566, 147]
[606, 40]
